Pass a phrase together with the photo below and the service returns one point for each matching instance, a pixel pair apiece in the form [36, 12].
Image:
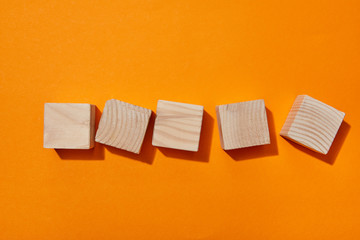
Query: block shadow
[258, 151]
[95, 153]
[203, 155]
[147, 152]
[337, 144]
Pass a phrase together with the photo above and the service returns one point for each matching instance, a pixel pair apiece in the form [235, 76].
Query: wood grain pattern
[242, 124]
[69, 125]
[123, 125]
[312, 124]
[178, 125]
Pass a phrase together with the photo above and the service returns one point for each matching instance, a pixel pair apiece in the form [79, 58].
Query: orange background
[201, 52]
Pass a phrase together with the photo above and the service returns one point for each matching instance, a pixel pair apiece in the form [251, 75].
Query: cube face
[312, 124]
[123, 125]
[242, 124]
[178, 125]
[69, 125]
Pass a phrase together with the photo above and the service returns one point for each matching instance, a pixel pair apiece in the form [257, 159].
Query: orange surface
[201, 52]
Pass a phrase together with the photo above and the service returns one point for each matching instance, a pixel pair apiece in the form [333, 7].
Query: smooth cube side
[69, 125]
[178, 125]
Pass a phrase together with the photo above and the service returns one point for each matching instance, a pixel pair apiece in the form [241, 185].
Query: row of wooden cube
[310, 123]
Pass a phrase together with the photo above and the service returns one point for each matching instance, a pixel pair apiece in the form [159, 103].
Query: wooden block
[312, 124]
[69, 125]
[123, 125]
[242, 124]
[178, 125]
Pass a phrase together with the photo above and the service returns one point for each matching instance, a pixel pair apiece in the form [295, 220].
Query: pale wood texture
[312, 123]
[178, 125]
[242, 124]
[123, 125]
[69, 125]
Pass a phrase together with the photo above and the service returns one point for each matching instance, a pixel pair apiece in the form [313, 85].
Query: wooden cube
[178, 125]
[123, 125]
[242, 124]
[312, 124]
[69, 125]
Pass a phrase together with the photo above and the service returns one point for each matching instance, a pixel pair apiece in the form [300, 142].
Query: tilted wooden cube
[123, 125]
[69, 125]
[178, 125]
[242, 124]
[312, 124]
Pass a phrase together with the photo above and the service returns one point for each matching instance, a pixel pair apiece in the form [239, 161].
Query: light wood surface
[178, 125]
[242, 124]
[69, 125]
[123, 125]
[312, 124]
